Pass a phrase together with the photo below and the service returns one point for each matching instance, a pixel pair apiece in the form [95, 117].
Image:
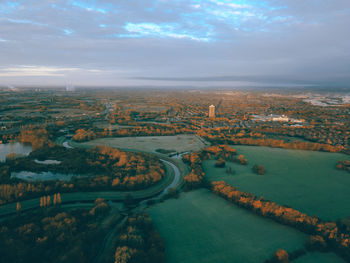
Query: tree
[242, 160]
[124, 254]
[220, 163]
[18, 207]
[59, 200]
[281, 256]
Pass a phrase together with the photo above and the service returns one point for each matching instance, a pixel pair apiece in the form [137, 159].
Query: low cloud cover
[180, 42]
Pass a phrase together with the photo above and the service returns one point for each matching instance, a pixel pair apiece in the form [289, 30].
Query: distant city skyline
[197, 43]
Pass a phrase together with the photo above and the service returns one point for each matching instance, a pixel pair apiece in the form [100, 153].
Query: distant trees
[37, 136]
[146, 130]
[84, 135]
[297, 145]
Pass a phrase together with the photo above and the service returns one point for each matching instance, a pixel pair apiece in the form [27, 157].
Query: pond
[41, 176]
[47, 161]
[17, 148]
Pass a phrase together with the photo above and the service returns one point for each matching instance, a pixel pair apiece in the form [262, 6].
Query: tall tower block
[211, 111]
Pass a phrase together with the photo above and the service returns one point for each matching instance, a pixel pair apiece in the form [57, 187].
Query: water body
[17, 148]
[42, 176]
[47, 161]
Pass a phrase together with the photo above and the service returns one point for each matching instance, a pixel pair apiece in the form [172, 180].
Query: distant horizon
[262, 88]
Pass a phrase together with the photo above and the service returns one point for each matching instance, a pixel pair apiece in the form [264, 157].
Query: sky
[197, 43]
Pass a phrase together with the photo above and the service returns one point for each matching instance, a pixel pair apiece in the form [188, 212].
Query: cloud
[112, 42]
[35, 71]
[161, 30]
[91, 7]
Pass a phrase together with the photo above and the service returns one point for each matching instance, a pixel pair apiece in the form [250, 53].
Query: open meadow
[177, 143]
[318, 257]
[305, 180]
[201, 227]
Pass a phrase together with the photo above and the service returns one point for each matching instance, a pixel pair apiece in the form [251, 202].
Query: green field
[201, 227]
[305, 180]
[178, 143]
[317, 257]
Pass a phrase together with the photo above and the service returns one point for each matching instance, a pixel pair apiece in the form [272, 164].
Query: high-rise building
[211, 111]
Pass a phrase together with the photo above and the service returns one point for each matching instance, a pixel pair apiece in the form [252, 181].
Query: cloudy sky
[175, 42]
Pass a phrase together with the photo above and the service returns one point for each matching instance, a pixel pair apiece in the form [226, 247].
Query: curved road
[177, 176]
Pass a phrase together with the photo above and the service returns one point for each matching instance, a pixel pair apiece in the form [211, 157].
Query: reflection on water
[17, 148]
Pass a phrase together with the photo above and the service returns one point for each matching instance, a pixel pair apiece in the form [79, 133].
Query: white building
[282, 118]
[211, 111]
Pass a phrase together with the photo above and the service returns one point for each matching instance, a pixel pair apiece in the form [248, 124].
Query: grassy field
[305, 180]
[201, 227]
[178, 143]
[319, 258]
[107, 125]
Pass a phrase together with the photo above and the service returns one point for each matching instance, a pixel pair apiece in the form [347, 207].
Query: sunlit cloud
[89, 6]
[49, 71]
[35, 71]
[170, 30]
[24, 21]
[68, 31]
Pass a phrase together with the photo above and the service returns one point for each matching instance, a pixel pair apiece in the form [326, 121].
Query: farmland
[178, 143]
[200, 227]
[305, 180]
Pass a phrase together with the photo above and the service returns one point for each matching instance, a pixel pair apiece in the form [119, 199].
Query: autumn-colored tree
[48, 200]
[124, 254]
[18, 207]
[59, 200]
[281, 256]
